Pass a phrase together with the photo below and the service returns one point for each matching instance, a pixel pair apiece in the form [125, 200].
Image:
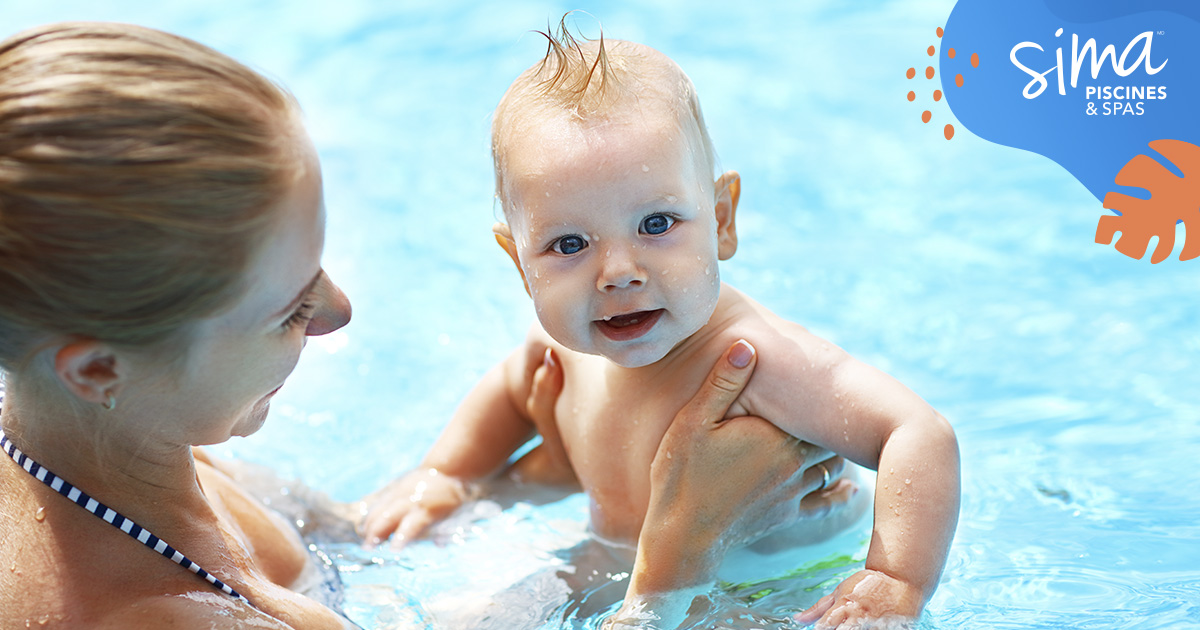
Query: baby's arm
[821, 394]
[488, 426]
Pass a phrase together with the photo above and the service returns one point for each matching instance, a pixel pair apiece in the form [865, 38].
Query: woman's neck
[109, 455]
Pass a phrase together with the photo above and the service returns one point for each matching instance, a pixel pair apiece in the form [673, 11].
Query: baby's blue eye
[571, 244]
[657, 224]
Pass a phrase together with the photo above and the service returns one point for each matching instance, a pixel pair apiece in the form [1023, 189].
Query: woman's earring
[110, 402]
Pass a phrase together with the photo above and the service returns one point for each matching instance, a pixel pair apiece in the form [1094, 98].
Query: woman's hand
[716, 483]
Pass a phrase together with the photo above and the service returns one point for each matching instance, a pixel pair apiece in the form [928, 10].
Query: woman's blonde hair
[138, 170]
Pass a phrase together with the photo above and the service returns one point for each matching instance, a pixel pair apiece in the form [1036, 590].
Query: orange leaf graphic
[1172, 199]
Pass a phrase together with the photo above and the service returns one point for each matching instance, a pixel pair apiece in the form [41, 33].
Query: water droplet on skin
[547, 193]
[908, 482]
[665, 272]
[645, 168]
[708, 270]
[672, 198]
[40, 515]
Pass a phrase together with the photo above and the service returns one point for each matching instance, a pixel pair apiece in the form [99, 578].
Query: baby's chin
[630, 356]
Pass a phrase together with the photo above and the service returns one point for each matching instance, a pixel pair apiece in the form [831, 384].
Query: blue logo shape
[1087, 83]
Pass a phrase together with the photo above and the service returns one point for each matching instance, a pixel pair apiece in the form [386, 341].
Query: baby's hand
[410, 504]
[867, 599]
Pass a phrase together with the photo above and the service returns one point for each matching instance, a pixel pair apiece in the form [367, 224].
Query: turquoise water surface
[965, 269]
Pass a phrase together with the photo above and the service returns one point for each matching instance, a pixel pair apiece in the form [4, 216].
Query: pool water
[965, 269]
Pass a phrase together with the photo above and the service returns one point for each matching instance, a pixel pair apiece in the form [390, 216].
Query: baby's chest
[611, 424]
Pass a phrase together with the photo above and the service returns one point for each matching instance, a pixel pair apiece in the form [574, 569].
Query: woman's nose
[620, 270]
[332, 314]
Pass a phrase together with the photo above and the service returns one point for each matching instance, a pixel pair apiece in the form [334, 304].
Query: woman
[161, 227]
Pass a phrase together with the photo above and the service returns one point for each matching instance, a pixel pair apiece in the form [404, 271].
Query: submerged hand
[408, 506]
[867, 599]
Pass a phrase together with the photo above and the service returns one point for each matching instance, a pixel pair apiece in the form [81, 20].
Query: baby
[605, 171]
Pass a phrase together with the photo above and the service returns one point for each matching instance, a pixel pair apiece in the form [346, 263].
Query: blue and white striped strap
[110, 516]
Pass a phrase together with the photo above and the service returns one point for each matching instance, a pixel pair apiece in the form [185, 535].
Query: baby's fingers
[815, 611]
[411, 527]
[381, 521]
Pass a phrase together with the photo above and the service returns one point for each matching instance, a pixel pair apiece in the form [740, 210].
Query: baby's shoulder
[775, 339]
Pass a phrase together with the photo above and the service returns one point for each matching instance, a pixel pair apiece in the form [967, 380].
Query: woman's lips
[628, 326]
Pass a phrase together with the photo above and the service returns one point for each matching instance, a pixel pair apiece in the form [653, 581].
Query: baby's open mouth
[628, 326]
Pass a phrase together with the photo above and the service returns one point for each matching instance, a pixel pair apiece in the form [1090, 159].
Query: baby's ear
[505, 239]
[727, 190]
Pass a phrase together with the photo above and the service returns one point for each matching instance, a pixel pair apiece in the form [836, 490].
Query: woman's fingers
[819, 504]
[722, 386]
[547, 385]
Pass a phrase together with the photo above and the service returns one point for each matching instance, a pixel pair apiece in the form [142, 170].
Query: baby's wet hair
[590, 82]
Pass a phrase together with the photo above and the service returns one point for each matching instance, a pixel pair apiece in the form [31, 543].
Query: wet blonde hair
[590, 82]
[138, 170]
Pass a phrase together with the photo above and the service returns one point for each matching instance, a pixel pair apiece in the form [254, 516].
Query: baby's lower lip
[629, 326]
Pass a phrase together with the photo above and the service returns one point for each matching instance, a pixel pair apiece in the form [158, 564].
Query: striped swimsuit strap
[110, 516]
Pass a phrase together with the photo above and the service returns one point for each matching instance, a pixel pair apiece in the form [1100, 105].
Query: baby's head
[605, 172]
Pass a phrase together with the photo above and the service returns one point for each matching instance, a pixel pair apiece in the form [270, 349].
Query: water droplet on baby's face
[40, 515]
[645, 168]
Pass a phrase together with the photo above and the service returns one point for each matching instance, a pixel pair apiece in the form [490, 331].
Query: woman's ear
[727, 189]
[505, 239]
[90, 370]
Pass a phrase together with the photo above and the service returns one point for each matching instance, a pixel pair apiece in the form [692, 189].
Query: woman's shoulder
[188, 611]
[279, 553]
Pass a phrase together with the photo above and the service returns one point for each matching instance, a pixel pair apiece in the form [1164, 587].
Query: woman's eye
[657, 224]
[301, 317]
[568, 245]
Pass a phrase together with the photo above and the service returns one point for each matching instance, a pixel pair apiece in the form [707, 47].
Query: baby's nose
[620, 270]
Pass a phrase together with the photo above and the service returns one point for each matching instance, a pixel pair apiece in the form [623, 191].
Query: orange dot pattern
[930, 72]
